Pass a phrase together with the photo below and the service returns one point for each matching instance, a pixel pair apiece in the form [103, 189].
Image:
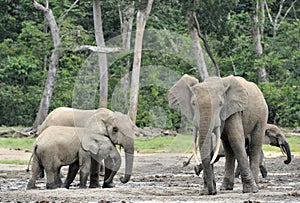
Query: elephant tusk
[283, 151]
[216, 151]
[195, 153]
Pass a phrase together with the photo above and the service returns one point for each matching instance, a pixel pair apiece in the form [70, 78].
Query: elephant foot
[108, 185]
[250, 188]
[227, 185]
[198, 169]
[263, 171]
[65, 186]
[205, 191]
[51, 186]
[94, 185]
[82, 187]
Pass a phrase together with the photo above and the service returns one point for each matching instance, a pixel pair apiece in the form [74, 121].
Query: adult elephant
[230, 109]
[59, 146]
[66, 116]
[122, 134]
[273, 136]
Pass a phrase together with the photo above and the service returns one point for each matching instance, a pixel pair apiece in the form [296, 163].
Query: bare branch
[207, 48]
[98, 49]
[292, 5]
[277, 16]
[67, 11]
[40, 6]
[269, 15]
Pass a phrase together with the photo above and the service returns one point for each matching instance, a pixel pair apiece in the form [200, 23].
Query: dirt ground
[157, 177]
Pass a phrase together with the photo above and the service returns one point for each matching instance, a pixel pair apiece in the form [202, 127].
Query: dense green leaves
[26, 45]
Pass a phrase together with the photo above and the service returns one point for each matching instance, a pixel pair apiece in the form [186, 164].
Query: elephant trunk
[286, 148]
[129, 155]
[205, 144]
[116, 167]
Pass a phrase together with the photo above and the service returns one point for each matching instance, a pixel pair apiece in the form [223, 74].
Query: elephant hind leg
[235, 137]
[72, 171]
[35, 168]
[53, 179]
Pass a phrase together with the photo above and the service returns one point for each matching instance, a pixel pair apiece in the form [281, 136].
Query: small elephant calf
[59, 146]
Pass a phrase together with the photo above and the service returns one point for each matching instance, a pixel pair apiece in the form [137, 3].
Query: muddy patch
[157, 177]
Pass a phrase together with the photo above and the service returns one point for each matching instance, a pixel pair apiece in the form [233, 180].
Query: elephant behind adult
[59, 146]
[231, 109]
[273, 136]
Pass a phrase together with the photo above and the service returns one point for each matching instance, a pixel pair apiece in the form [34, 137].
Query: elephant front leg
[85, 167]
[94, 175]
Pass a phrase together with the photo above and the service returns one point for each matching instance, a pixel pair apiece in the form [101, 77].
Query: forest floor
[157, 177]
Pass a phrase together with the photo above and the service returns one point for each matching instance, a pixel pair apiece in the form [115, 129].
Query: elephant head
[208, 104]
[118, 128]
[275, 137]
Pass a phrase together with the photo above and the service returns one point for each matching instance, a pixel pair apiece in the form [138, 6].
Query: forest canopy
[26, 46]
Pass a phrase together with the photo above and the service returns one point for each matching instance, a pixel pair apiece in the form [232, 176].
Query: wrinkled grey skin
[66, 116]
[59, 146]
[115, 125]
[273, 137]
[121, 131]
[229, 108]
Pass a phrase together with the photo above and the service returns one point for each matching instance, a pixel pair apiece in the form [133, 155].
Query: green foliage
[283, 102]
[26, 45]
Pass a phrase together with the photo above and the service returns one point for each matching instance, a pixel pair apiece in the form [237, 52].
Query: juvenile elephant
[273, 137]
[230, 109]
[59, 146]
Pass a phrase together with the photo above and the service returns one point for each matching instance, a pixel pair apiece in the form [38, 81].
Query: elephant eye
[115, 129]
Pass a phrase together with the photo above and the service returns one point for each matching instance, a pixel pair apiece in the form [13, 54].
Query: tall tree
[257, 37]
[193, 30]
[101, 56]
[141, 19]
[126, 20]
[56, 53]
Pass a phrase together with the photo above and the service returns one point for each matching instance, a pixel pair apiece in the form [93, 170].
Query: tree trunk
[56, 53]
[126, 19]
[101, 56]
[257, 42]
[196, 44]
[142, 15]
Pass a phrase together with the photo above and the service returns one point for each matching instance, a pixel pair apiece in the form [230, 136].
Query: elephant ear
[96, 123]
[90, 141]
[180, 95]
[125, 124]
[236, 97]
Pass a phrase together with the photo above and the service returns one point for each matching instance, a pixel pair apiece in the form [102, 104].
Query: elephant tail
[34, 150]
